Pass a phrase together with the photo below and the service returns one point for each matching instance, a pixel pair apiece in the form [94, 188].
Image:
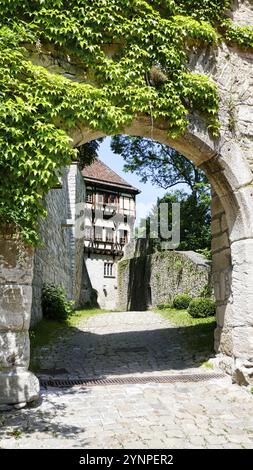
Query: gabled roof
[99, 172]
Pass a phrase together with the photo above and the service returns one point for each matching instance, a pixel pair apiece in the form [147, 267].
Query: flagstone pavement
[210, 413]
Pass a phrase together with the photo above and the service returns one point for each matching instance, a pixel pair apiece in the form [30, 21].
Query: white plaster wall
[106, 287]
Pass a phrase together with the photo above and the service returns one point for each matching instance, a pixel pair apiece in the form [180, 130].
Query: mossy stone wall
[147, 281]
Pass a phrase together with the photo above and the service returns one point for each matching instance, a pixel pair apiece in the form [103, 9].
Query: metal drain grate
[52, 382]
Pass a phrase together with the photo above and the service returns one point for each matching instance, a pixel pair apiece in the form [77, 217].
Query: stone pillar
[17, 384]
[233, 280]
[221, 265]
[241, 319]
[222, 278]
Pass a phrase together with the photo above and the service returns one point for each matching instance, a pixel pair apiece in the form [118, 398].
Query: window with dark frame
[109, 235]
[113, 198]
[88, 233]
[123, 234]
[126, 203]
[110, 198]
[98, 233]
[89, 197]
[106, 198]
[108, 270]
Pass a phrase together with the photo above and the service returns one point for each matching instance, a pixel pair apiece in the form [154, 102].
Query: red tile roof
[101, 173]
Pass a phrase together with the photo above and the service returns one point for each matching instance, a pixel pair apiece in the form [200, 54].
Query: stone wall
[59, 260]
[17, 385]
[77, 195]
[147, 281]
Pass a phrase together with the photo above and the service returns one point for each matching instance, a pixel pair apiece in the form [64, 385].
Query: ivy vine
[147, 72]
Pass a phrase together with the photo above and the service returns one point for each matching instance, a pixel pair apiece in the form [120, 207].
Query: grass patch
[196, 333]
[15, 433]
[48, 331]
[207, 365]
[79, 315]
[183, 318]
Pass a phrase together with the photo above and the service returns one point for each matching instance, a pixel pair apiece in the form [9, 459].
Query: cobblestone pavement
[117, 344]
[213, 414]
[207, 414]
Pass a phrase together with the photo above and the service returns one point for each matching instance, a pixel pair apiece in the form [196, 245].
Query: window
[108, 270]
[89, 197]
[113, 198]
[87, 233]
[98, 233]
[100, 198]
[106, 198]
[109, 235]
[126, 203]
[110, 198]
[123, 237]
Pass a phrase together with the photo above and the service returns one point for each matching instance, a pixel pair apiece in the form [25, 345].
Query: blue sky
[149, 192]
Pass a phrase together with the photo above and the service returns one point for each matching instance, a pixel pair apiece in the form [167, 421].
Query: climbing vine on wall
[145, 71]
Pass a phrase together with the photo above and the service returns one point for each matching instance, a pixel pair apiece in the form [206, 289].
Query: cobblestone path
[117, 344]
[207, 414]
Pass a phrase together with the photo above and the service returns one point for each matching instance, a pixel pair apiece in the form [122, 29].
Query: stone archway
[228, 164]
[232, 236]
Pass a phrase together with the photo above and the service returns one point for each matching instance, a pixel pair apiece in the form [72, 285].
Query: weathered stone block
[231, 156]
[243, 371]
[242, 253]
[221, 261]
[223, 341]
[229, 313]
[14, 350]
[16, 262]
[240, 222]
[220, 242]
[15, 307]
[243, 342]
[222, 285]
[18, 387]
[217, 336]
[221, 311]
[226, 341]
[242, 307]
[216, 206]
[224, 224]
[226, 363]
[245, 113]
[216, 226]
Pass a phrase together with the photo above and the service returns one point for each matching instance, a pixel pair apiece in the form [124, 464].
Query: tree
[166, 168]
[157, 163]
[88, 152]
[195, 222]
